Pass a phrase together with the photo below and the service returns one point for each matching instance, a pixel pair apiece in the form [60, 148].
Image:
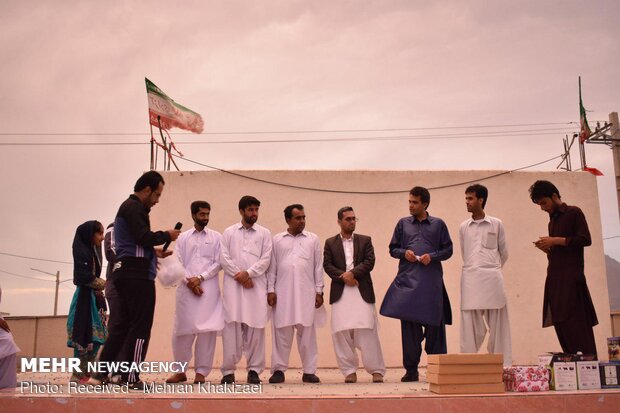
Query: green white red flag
[165, 113]
[585, 131]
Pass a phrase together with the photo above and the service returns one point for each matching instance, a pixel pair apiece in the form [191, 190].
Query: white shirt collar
[485, 219]
[288, 234]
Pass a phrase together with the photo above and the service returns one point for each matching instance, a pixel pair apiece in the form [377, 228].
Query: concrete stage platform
[51, 393]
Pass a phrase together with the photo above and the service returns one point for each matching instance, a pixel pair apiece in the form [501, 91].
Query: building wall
[524, 222]
[40, 336]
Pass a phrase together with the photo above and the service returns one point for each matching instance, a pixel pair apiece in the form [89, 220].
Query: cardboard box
[464, 368]
[564, 375]
[465, 359]
[526, 378]
[610, 375]
[588, 376]
[466, 388]
[463, 378]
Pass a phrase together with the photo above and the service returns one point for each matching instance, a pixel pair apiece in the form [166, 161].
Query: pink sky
[75, 67]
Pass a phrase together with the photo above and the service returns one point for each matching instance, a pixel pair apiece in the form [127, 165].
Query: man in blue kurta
[417, 296]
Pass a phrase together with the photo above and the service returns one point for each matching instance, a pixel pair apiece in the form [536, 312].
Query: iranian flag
[166, 113]
[585, 131]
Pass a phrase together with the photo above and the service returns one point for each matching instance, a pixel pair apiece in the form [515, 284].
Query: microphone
[177, 226]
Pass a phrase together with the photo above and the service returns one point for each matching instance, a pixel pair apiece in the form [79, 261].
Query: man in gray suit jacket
[348, 259]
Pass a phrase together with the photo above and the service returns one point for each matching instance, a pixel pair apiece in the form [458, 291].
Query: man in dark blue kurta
[417, 295]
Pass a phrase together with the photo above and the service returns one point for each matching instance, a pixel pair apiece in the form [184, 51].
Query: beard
[250, 220]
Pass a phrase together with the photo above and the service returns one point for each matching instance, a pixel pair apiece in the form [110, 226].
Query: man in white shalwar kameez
[8, 355]
[294, 290]
[245, 257]
[199, 311]
[348, 259]
[483, 299]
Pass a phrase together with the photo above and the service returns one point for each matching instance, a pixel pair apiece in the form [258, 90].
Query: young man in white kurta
[295, 289]
[245, 257]
[483, 299]
[199, 311]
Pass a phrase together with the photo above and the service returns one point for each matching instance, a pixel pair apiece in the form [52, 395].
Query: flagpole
[152, 148]
[163, 140]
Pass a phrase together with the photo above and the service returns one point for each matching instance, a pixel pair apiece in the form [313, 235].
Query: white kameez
[296, 276]
[484, 252]
[246, 250]
[199, 254]
[483, 298]
[351, 311]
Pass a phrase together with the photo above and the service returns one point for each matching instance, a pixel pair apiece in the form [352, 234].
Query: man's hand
[241, 277]
[161, 253]
[318, 301]
[272, 298]
[425, 259]
[410, 256]
[248, 283]
[349, 278]
[546, 243]
[197, 290]
[193, 282]
[174, 234]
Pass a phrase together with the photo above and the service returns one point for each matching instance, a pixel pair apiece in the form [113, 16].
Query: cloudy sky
[388, 85]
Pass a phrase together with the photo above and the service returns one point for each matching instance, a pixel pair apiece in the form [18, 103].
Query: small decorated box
[526, 378]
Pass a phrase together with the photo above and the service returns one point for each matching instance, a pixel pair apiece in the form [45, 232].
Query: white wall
[508, 199]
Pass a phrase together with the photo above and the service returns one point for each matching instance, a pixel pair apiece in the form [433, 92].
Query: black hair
[149, 179]
[420, 191]
[542, 189]
[196, 205]
[288, 211]
[480, 191]
[342, 210]
[247, 201]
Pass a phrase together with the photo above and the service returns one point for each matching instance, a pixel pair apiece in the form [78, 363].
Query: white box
[565, 375]
[588, 376]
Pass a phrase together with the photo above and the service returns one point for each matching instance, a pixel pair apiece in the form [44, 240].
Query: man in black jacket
[348, 259]
[134, 276]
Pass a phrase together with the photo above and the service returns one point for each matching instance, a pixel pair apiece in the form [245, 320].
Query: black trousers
[128, 340]
[576, 334]
[114, 306]
[412, 334]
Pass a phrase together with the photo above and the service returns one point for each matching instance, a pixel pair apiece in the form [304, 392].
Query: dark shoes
[377, 378]
[199, 378]
[351, 378]
[409, 376]
[177, 378]
[310, 378]
[228, 379]
[253, 377]
[277, 377]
